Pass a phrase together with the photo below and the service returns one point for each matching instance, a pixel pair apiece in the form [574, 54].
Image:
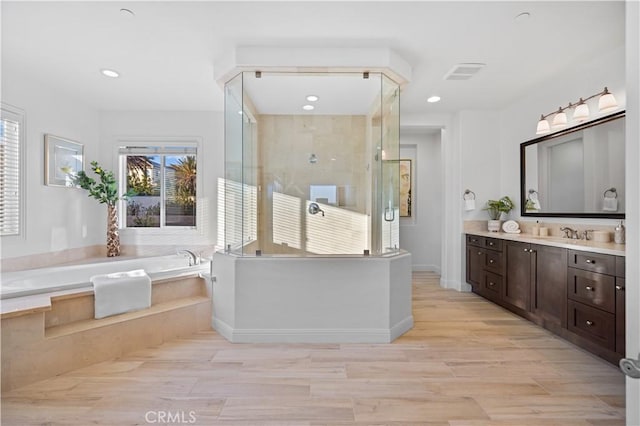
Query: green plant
[105, 191]
[497, 207]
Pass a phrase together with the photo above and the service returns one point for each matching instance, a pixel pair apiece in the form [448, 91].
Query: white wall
[633, 202]
[420, 234]
[479, 133]
[206, 126]
[518, 120]
[57, 218]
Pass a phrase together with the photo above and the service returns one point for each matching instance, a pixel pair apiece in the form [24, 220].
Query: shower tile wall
[285, 145]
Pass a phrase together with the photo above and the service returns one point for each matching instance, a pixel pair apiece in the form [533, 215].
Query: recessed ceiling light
[520, 17]
[110, 73]
[308, 107]
[127, 13]
[433, 99]
[312, 98]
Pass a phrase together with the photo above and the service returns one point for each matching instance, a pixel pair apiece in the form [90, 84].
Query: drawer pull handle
[526, 250]
[491, 244]
[479, 253]
[591, 261]
[492, 284]
[491, 261]
[589, 323]
[620, 288]
[589, 288]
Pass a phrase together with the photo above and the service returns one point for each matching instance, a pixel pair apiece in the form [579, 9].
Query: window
[11, 158]
[164, 181]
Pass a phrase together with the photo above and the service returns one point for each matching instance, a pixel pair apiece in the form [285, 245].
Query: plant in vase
[106, 192]
[495, 208]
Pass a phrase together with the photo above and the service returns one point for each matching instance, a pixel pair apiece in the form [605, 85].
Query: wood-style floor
[466, 362]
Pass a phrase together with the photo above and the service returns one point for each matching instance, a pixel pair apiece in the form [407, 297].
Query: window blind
[10, 128]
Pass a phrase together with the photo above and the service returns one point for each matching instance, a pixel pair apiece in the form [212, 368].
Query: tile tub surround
[49, 334]
[555, 238]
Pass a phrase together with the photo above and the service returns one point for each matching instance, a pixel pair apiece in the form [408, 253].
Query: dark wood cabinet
[485, 266]
[620, 316]
[578, 295]
[548, 289]
[475, 266]
[516, 290]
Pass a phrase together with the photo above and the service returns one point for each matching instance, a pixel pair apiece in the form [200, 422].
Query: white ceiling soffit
[359, 59]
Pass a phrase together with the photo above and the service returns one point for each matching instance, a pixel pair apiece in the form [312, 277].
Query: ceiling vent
[463, 71]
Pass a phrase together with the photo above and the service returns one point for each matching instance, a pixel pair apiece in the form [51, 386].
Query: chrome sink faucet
[194, 259]
[570, 233]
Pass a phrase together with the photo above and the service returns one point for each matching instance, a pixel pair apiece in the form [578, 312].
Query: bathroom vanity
[573, 288]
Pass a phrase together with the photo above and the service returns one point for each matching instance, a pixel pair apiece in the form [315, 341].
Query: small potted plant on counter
[495, 209]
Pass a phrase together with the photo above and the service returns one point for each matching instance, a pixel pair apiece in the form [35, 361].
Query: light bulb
[559, 120]
[607, 102]
[581, 112]
[543, 126]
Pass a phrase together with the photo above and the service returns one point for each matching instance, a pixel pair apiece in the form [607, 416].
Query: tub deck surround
[312, 299]
[47, 334]
[554, 240]
[61, 278]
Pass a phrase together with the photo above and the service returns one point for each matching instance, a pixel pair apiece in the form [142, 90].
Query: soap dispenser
[618, 236]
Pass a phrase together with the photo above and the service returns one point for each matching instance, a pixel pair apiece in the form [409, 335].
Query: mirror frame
[523, 195]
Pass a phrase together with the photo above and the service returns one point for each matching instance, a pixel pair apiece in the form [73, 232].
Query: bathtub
[45, 280]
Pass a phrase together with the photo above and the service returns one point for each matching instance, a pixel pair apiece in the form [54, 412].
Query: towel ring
[531, 192]
[613, 191]
[469, 195]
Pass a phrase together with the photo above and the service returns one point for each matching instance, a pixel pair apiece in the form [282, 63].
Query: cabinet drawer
[591, 288]
[493, 261]
[620, 266]
[596, 262]
[492, 286]
[593, 324]
[493, 244]
[474, 240]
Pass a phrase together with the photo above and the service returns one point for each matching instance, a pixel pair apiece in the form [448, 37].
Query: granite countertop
[584, 245]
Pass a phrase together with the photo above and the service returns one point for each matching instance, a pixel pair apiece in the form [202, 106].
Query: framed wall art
[63, 159]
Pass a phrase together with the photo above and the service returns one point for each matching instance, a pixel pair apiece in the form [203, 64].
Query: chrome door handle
[631, 367]
[590, 261]
[588, 288]
[619, 287]
[589, 323]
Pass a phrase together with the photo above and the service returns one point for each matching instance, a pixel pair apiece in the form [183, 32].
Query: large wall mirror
[578, 172]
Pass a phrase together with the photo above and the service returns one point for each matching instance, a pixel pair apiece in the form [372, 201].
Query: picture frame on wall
[405, 188]
[63, 160]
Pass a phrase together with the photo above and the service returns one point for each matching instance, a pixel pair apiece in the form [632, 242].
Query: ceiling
[165, 54]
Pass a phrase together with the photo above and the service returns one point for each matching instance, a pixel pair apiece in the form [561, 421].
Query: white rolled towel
[511, 227]
[610, 204]
[470, 204]
[121, 292]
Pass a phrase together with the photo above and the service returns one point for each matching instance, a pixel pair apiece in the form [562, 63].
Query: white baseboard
[425, 268]
[454, 285]
[358, 335]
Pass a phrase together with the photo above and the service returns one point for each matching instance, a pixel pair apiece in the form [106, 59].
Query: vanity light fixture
[606, 103]
[433, 99]
[308, 107]
[110, 73]
[312, 98]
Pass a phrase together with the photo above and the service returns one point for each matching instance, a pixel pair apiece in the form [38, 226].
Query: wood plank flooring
[467, 362]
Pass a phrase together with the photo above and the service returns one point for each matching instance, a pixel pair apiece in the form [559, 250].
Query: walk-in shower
[310, 202]
[297, 144]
